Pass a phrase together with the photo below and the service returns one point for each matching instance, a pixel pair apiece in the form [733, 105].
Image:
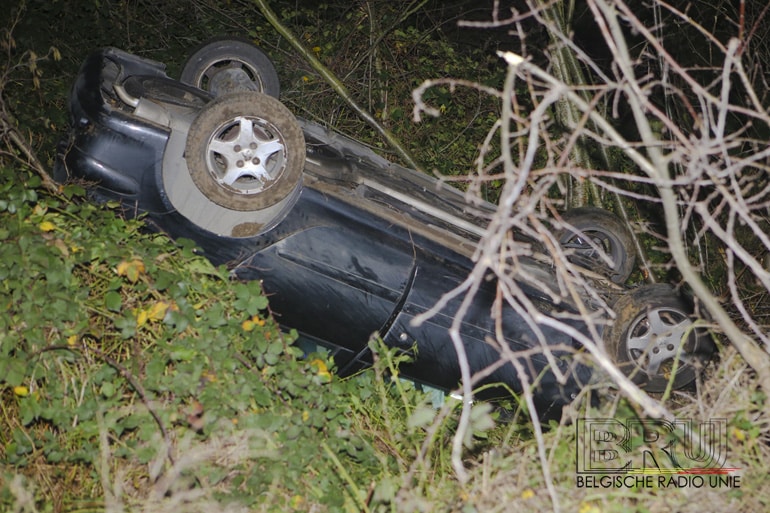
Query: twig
[8, 130]
[336, 84]
[139, 389]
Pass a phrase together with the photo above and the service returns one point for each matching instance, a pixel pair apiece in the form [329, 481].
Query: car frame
[347, 244]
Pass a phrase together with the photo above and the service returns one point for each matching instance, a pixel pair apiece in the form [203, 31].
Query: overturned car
[345, 243]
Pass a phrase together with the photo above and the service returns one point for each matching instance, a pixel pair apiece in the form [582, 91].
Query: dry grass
[506, 478]
[509, 478]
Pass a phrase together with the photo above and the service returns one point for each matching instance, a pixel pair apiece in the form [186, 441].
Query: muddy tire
[599, 240]
[654, 340]
[245, 151]
[226, 65]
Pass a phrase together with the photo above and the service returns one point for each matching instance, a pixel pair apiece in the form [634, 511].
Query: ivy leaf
[13, 371]
[250, 298]
[132, 270]
[112, 301]
[422, 416]
[158, 310]
[108, 389]
[481, 423]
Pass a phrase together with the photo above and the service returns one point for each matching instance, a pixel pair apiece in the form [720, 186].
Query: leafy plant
[108, 330]
[121, 349]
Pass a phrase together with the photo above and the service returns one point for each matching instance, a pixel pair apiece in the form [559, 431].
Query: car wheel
[226, 65]
[596, 235]
[654, 335]
[245, 151]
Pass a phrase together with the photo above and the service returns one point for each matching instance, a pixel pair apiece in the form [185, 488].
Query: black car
[346, 243]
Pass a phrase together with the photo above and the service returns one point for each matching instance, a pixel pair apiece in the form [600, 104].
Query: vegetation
[136, 376]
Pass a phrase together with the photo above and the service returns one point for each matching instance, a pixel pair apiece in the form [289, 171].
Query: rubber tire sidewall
[229, 48]
[587, 219]
[630, 308]
[227, 108]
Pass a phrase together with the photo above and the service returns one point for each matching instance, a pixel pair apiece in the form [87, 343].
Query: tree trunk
[566, 67]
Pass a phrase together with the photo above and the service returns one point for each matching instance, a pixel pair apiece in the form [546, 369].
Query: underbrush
[410, 46]
[135, 374]
[137, 377]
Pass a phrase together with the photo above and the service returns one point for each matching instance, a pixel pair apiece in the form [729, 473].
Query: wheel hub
[231, 80]
[655, 341]
[245, 156]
